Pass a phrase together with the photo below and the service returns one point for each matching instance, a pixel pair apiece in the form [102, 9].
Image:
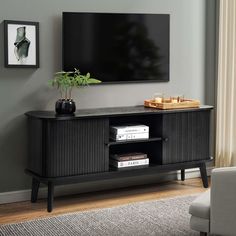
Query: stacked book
[129, 160]
[129, 132]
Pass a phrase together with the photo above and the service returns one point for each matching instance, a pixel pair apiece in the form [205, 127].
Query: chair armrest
[223, 201]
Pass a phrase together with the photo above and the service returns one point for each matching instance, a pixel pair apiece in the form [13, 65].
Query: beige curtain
[226, 93]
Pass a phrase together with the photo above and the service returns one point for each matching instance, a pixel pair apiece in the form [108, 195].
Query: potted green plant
[65, 82]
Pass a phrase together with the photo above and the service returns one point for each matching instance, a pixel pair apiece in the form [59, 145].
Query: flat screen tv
[116, 47]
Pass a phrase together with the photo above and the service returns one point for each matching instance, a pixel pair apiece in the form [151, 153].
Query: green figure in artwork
[21, 44]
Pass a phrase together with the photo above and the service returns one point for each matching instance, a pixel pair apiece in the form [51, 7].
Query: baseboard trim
[15, 196]
[62, 190]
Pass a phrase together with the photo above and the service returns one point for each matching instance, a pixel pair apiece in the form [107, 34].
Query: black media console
[72, 149]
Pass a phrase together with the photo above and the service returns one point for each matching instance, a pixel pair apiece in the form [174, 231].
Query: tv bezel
[122, 82]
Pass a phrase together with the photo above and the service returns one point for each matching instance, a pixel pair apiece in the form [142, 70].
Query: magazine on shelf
[132, 163]
[129, 156]
[136, 136]
[129, 129]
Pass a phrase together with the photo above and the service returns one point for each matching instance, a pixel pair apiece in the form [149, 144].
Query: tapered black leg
[183, 174]
[204, 175]
[35, 189]
[203, 234]
[50, 196]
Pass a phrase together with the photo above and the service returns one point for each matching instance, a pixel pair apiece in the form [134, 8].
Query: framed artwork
[21, 44]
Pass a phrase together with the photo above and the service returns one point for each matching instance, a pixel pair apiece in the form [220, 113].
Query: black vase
[65, 107]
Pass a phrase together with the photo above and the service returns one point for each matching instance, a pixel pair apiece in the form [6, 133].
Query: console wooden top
[109, 111]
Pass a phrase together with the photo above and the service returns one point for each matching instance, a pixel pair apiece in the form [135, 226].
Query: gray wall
[22, 90]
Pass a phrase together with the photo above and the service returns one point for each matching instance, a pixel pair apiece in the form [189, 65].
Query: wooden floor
[22, 211]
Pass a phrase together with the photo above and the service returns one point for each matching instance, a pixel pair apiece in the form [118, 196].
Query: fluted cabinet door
[74, 147]
[187, 136]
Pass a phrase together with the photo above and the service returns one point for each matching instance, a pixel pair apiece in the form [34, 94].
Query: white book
[122, 164]
[120, 137]
[125, 129]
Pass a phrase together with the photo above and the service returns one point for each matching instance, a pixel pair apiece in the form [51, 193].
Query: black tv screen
[116, 47]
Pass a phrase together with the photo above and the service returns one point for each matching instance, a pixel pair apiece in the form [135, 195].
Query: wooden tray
[168, 104]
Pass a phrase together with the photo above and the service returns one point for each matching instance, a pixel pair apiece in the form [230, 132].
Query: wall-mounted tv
[116, 47]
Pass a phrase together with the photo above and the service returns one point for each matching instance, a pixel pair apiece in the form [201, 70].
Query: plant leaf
[94, 81]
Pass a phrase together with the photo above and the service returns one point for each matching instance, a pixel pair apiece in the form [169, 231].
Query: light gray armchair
[214, 211]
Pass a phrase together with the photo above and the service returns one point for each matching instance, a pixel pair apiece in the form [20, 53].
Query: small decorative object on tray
[172, 102]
